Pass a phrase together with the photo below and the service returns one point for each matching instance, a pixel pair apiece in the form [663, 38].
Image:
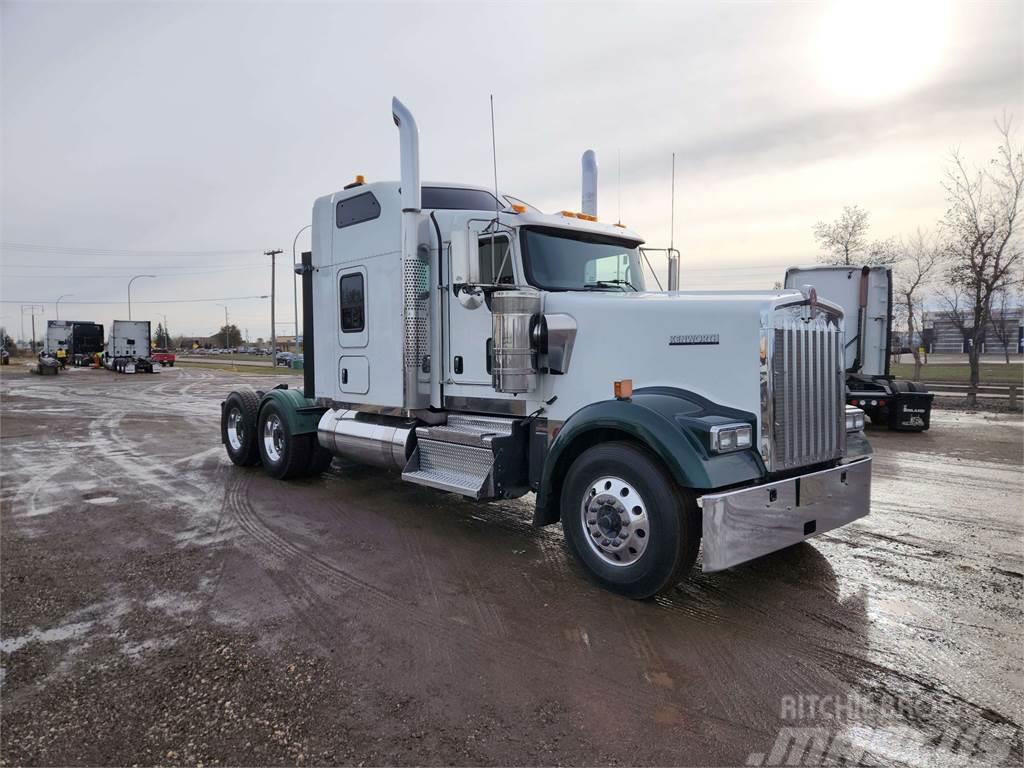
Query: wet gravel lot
[160, 605]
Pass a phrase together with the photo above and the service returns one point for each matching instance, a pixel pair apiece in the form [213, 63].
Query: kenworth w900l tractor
[477, 346]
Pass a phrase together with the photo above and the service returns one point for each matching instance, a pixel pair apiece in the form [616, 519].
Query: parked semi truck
[81, 339]
[865, 294]
[128, 347]
[478, 346]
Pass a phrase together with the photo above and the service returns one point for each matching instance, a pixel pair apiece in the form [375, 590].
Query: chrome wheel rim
[273, 438]
[236, 430]
[614, 519]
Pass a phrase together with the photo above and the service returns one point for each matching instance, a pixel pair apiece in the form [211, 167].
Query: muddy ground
[160, 605]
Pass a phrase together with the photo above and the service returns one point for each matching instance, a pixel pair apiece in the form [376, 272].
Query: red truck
[162, 356]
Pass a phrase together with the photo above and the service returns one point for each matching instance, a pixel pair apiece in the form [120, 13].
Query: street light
[57, 305]
[136, 277]
[295, 289]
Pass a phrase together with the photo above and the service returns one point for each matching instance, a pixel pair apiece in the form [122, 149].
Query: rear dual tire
[238, 427]
[285, 455]
[628, 523]
[252, 435]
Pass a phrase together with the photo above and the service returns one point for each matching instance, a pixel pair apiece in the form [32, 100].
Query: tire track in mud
[302, 600]
[443, 634]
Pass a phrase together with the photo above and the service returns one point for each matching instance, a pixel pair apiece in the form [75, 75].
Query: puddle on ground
[102, 500]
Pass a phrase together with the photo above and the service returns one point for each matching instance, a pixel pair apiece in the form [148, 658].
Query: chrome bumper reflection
[741, 525]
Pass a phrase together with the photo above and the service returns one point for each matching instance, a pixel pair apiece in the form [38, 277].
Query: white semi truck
[865, 295]
[128, 347]
[478, 346]
[79, 338]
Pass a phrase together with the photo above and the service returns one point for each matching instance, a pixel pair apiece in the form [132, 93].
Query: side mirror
[465, 264]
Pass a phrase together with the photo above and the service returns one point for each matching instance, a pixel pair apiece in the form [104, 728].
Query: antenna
[497, 201]
[494, 157]
[672, 215]
[619, 153]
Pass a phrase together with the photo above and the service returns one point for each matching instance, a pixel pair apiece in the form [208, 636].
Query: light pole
[273, 254]
[295, 288]
[227, 341]
[57, 305]
[33, 309]
[136, 277]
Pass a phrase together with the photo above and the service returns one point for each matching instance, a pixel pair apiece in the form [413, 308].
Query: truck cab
[478, 346]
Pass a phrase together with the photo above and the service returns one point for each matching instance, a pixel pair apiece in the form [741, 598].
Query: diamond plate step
[454, 467]
[457, 456]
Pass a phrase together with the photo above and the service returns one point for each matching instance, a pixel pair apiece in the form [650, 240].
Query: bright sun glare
[874, 51]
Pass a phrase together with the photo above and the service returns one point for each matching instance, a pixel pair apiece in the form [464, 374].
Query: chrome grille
[808, 416]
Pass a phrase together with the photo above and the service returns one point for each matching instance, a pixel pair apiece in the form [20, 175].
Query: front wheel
[627, 522]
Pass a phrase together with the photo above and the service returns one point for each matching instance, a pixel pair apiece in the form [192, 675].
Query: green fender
[301, 413]
[672, 423]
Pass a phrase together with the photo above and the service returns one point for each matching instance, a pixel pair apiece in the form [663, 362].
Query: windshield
[560, 260]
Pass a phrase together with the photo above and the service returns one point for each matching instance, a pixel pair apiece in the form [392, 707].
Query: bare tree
[1005, 331]
[982, 238]
[845, 240]
[919, 260]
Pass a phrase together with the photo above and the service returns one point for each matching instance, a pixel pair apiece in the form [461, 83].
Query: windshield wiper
[606, 283]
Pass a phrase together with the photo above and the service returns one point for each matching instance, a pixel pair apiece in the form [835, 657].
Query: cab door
[469, 321]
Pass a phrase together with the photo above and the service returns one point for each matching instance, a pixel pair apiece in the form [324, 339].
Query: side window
[496, 261]
[354, 210]
[353, 303]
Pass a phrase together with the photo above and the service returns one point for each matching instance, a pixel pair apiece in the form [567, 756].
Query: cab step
[457, 456]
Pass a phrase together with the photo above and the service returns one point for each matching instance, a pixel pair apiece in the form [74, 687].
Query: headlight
[730, 437]
[854, 419]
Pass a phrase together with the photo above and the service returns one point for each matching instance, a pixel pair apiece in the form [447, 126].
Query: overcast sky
[183, 139]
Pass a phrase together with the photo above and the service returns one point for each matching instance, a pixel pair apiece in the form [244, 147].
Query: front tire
[284, 455]
[627, 522]
[238, 427]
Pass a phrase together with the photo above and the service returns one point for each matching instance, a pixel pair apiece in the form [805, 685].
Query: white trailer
[865, 294]
[58, 334]
[477, 346]
[128, 347]
[79, 338]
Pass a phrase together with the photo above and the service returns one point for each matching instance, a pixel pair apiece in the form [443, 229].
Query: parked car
[284, 358]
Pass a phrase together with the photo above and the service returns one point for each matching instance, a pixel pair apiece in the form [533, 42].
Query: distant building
[287, 343]
[941, 335]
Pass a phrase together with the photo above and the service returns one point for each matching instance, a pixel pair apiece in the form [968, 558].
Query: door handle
[344, 375]
[458, 364]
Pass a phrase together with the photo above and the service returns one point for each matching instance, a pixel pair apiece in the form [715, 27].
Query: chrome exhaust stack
[589, 183]
[416, 332]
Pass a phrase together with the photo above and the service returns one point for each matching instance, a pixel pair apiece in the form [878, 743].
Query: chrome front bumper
[741, 525]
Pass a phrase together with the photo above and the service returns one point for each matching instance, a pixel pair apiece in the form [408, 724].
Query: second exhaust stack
[589, 204]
